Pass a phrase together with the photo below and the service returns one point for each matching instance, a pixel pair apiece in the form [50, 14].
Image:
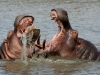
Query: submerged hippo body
[86, 50]
[12, 46]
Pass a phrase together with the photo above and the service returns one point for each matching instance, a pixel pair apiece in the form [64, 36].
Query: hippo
[59, 44]
[12, 46]
[66, 43]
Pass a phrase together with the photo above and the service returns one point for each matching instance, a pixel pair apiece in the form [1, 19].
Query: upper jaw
[53, 15]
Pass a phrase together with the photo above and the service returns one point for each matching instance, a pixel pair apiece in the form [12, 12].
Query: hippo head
[63, 42]
[60, 15]
[23, 25]
[22, 22]
[26, 33]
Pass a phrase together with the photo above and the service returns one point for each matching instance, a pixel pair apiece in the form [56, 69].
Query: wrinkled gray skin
[11, 48]
[86, 50]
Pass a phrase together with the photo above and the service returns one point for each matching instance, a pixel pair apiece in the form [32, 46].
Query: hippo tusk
[44, 44]
[38, 40]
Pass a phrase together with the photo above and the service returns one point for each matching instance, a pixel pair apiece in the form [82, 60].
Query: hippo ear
[79, 40]
[76, 33]
[44, 44]
[10, 32]
[38, 40]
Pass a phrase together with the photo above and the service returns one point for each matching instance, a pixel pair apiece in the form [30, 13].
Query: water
[24, 51]
[84, 16]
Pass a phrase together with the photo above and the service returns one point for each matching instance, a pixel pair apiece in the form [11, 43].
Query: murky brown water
[84, 16]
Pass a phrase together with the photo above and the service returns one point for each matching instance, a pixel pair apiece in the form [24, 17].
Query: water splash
[26, 38]
[24, 50]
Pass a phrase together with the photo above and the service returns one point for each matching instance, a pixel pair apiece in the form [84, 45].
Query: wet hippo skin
[12, 46]
[86, 50]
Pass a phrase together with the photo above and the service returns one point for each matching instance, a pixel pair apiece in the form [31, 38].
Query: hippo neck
[67, 25]
[15, 43]
[64, 25]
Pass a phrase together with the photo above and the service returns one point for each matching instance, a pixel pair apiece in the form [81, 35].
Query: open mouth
[32, 33]
[26, 29]
[29, 31]
[29, 28]
[54, 16]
